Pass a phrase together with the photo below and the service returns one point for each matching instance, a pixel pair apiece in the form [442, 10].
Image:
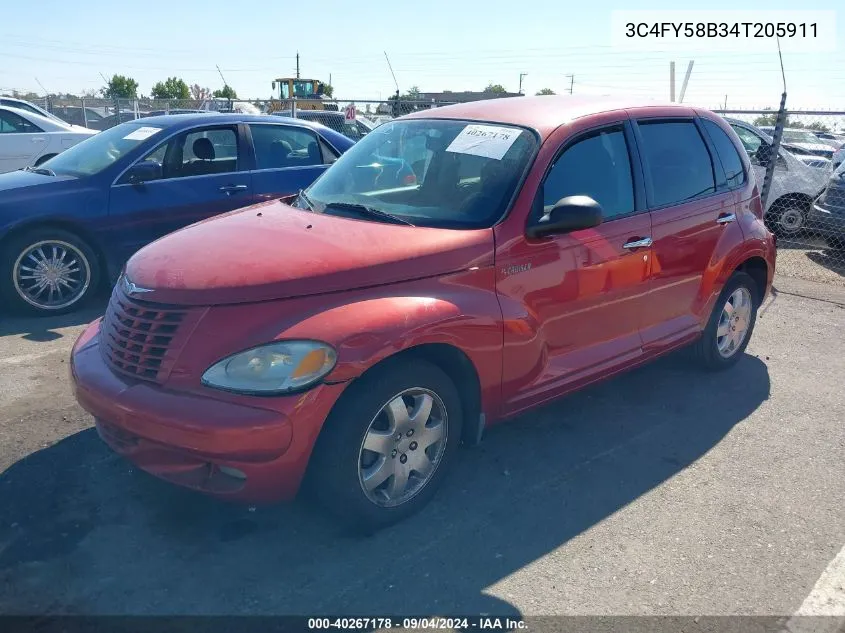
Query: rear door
[287, 158]
[20, 141]
[692, 205]
[204, 173]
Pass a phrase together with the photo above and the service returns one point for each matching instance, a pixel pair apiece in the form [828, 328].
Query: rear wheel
[47, 271]
[385, 448]
[43, 159]
[731, 324]
[787, 217]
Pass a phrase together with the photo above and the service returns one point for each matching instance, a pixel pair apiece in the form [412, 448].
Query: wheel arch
[71, 227]
[758, 269]
[804, 199]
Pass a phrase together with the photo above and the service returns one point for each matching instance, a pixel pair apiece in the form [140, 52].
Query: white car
[28, 139]
[795, 185]
[20, 104]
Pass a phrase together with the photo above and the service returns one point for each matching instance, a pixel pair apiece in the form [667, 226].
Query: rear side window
[281, 146]
[597, 166]
[728, 155]
[678, 163]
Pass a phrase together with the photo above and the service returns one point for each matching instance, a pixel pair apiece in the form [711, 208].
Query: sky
[435, 45]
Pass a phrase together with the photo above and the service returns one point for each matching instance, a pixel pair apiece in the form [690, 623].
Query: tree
[120, 87]
[171, 88]
[199, 93]
[328, 90]
[227, 92]
[546, 91]
[495, 89]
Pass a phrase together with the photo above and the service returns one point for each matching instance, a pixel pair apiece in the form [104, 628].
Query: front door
[203, 174]
[582, 293]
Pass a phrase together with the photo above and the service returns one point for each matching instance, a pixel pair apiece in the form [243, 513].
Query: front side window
[678, 163]
[597, 166]
[202, 152]
[281, 146]
[11, 123]
[437, 172]
[726, 150]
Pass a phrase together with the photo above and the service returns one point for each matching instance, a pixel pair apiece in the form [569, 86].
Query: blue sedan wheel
[50, 271]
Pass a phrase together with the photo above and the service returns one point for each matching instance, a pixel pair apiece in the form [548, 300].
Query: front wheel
[47, 271]
[385, 448]
[787, 218]
[731, 323]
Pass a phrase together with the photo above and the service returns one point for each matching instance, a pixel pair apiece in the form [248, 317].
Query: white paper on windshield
[489, 141]
[142, 133]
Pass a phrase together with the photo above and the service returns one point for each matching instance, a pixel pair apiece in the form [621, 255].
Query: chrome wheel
[402, 447]
[51, 274]
[734, 322]
[791, 220]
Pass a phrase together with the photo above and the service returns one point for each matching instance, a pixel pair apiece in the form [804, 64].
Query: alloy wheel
[734, 322]
[402, 447]
[51, 274]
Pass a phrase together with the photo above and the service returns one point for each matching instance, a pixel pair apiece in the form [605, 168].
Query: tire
[340, 462]
[836, 243]
[43, 159]
[15, 281]
[787, 217]
[706, 351]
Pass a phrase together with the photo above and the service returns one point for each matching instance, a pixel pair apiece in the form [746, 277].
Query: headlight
[275, 368]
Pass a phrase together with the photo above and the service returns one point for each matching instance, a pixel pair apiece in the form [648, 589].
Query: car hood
[274, 251]
[808, 147]
[19, 179]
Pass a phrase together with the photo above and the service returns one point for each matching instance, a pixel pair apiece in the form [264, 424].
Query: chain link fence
[806, 204]
[805, 208]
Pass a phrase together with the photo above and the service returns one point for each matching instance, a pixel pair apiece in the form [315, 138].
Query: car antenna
[392, 73]
[780, 123]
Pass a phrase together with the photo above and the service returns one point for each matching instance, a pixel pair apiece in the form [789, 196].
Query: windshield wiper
[40, 170]
[370, 211]
[304, 197]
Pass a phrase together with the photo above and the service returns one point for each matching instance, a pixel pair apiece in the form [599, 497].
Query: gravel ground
[810, 259]
[663, 491]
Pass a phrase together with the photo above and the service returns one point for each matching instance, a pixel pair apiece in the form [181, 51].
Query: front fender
[365, 327]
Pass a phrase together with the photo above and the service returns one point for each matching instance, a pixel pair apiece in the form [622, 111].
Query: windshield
[102, 150]
[437, 173]
[794, 136]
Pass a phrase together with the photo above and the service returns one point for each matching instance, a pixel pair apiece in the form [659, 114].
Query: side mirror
[143, 172]
[571, 213]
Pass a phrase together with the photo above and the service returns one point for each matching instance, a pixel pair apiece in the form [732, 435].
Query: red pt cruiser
[455, 267]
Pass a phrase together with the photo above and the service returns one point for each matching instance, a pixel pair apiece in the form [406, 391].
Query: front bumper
[245, 448]
[827, 219]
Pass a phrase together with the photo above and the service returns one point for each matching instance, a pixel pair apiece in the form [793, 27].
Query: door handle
[230, 189]
[644, 242]
[38, 139]
[727, 218]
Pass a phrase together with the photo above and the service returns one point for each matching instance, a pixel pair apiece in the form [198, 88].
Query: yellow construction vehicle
[308, 93]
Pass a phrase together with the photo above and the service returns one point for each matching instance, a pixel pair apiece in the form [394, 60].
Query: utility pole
[297, 64]
[672, 82]
[571, 82]
[521, 75]
[686, 81]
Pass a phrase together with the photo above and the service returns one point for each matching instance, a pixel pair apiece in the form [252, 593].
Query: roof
[189, 120]
[182, 121]
[543, 114]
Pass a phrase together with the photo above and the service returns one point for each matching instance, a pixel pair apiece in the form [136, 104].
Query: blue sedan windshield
[102, 150]
[427, 172]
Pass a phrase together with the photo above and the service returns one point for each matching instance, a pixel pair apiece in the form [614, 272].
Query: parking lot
[663, 491]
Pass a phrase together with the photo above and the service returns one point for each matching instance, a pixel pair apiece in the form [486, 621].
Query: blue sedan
[72, 222]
